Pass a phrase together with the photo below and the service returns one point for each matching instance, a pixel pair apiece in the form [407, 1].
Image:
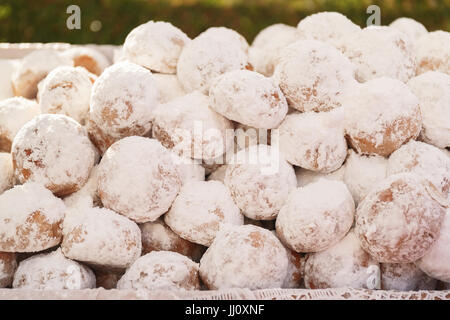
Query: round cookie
[244, 257]
[138, 178]
[412, 28]
[314, 141]
[380, 51]
[433, 52]
[14, 113]
[66, 90]
[31, 219]
[87, 196]
[33, 68]
[189, 127]
[329, 27]
[54, 150]
[52, 271]
[433, 91]
[122, 101]
[380, 116]
[200, 210]
[155, 45]
[398, 221]
[362, 173]
[345, 264]
[161, 270]
[6, 172]
[313, 74]
[436, 262]
[8, 265]
[101, 238]
[316, 216]
[248, 98]
[169, 87]
[305, 177]
[426, 161]
[259, 180]
[90, 59]
[405, 277]
[157, 236]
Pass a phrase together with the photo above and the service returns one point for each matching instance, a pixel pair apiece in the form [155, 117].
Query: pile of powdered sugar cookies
[317, 157]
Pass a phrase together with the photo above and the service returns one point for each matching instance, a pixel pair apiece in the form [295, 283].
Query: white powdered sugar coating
[248, 98]
[207, 57]
[329, 27]
[316, 216]
[122, 101]
[380, 52]
[295, 270]
[52, 271]
[399, 220]
[8, 265]
[8, 66]
[405, 277]
[380, 115]
[313, 74]
[100, 237]
[66, 90]
[169, 87]
[436, 262]
[362, 173]
[244, 257]
[31, 216]
[138, 178]
[426, 161]
[314, 141]
[433, 90]
[268, 43]
[33, 68]
[54, 150]
[189, 169]
[155, 45]
[189, 127]
[226, 34]
[200, 210]
[260, 194]
[90, 59]
[161, 270]
[14, 113]
[6, 172]
[305, 177]
[345, 264]
[87, 196]
[412, 28]
[433, 52]
[246, 136]
[218, 174]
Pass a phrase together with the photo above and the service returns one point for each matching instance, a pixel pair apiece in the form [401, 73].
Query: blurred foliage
[45, 20]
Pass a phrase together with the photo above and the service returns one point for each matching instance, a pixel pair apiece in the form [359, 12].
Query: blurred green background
[45, 20]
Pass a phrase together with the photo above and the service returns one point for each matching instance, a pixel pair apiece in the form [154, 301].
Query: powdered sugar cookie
[52, 271]
[87, 196]
[55, 150]
[90, 59]
[122, 101]
[244, 257]
[14, 113]
[189, 127]
[305, 177]
[366, 47]
[66, 90]
[314, 141]
[313, 74]
[6, 172]
[248, 98]
[31, 219]
[200, 210]
[398, 221]
[345, 264]
[380, 116]
[161, 270]
[101, 237]
[259, 181]
[169, 87]
[316, 216]
[433, 90]
[432, 52]
[8, 265]
[33, 68]
[405, 277]
[138, 178]
[412, 28]
[155, 45]
[157, 236]
[189, 169]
